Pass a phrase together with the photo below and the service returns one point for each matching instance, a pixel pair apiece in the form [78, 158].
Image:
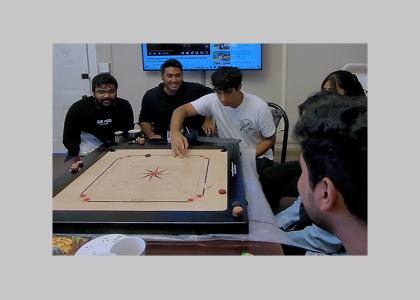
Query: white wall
[305, 66]
[309, 64]
[126, 66]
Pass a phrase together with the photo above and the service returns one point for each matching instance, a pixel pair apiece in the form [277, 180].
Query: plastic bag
[88, 143]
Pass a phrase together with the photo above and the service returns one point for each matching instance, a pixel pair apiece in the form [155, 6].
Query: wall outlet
[103, 67]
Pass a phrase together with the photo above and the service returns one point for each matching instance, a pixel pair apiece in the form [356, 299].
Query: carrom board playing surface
[147, 190]
[150, 180]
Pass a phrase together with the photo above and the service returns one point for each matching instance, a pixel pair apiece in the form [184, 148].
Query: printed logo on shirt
[246, 125]
[104, 122]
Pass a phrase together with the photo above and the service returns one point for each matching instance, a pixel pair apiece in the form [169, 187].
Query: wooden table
[209, 247]
[218, 247]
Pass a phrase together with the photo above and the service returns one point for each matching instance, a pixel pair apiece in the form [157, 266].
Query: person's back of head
[313, 99]
[103, 78]
[333, 136]
[345, 80]
[170, 63]
[226, 78]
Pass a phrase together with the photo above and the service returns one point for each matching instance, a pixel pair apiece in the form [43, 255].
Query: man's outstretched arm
[179, 143]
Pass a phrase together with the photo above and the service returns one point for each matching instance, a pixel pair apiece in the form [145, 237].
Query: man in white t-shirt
[237, 115]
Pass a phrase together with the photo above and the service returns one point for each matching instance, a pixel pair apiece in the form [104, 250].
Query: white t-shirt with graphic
[248, 122]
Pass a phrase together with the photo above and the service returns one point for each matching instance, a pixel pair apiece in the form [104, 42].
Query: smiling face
[172, 79]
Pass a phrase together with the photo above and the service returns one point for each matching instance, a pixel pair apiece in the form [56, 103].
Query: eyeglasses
[103, 92]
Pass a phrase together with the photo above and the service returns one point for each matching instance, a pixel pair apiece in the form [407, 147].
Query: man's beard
[109, 104]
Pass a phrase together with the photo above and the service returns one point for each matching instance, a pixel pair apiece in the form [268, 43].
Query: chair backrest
[279, 114]
[361, 72]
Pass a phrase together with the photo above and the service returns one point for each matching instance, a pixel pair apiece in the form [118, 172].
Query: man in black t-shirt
[159, 103]
[100, 115]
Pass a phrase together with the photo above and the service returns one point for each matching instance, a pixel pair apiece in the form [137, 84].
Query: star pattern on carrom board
[154, 173]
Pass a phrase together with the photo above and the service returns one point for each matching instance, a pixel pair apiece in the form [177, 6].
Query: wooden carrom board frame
[144, 189]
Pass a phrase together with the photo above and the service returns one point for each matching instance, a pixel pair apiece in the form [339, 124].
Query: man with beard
[99, 115]
[159, 102]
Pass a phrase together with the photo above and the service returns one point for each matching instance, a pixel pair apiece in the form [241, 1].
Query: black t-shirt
[157, 106]
[102, 122]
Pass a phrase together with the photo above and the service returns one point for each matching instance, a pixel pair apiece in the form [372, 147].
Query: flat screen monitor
[203, 56]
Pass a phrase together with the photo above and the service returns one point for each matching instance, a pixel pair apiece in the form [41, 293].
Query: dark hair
[225, 78]
[312, 99]
[333, 137]
[104, 78]
[347, 81]
[170, 63]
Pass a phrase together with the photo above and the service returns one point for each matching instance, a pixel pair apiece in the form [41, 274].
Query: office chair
[278, 114]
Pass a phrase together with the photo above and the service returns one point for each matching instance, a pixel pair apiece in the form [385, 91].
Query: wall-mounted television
[203, 56]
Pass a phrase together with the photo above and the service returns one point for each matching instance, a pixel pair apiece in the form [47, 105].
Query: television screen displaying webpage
[203, 56]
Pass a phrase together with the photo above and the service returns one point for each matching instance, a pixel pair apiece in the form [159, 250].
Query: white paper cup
[133, 133]
[104, 254]
[129, 246]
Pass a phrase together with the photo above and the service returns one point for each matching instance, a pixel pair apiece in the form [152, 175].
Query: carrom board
[148, 190]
